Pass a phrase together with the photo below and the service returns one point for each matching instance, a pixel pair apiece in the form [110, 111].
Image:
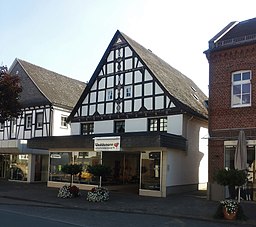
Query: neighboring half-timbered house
[139, 116]
[47, 99]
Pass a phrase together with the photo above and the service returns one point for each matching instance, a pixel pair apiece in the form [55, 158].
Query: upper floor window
[119, 126]
[109, 94]
[39, 120]
[157, 124]
[241, 88]
[28, 121]
[87, 128]
[128, 92]
[63, 122]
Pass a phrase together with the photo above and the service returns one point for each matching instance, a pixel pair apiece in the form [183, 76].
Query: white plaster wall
[136, 125]
[175, 124]
[203, 167]
[103, 126]
[75, 128]
[189, 167]
[57, 129]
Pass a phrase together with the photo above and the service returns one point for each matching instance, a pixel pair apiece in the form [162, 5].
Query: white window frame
[63, 121]
[241, 82]
[28, 122]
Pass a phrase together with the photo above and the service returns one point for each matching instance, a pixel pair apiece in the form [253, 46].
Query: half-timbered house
[139, 116]
[47, 99]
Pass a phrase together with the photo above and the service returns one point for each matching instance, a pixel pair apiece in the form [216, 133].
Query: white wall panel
[136, 125]
[75, 128]
[128, 52]
[147, 76]
[57, 129]
[110, 81]
[148, 89]
[84, 110]
[92, 109]
[103, 126]
[138, 77]
[93, 97]
[109, 108]
[159, 102]
[148, 103]
[137, 104]
[175, 124]
[128, 106]
[128, 78]
[111, 56]
[101, 108]
[102, 83]
[138, 90]
[158, 90]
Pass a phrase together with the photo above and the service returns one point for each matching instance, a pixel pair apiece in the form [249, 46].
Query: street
[39, 216]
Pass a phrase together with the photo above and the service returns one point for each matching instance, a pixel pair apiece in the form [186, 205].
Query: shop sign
[107, 143]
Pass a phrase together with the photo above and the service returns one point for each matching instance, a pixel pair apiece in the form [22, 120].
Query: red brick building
[232, 98]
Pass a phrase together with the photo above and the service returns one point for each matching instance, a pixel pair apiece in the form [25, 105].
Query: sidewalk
[189, 205]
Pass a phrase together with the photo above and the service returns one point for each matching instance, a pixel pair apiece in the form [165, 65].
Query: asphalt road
[38, 216]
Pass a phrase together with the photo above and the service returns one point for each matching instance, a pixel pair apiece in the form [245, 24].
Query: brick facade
[225, 122]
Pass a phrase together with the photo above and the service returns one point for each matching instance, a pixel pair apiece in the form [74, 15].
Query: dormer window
[241, 89]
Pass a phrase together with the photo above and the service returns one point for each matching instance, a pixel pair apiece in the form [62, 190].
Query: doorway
[125, 170]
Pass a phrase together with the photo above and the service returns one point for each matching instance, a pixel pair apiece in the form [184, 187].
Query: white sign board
[107, 143]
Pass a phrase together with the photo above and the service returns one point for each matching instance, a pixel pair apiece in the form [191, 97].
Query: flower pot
[229, 216]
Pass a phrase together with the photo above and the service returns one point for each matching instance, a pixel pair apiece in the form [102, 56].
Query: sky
[70, 36]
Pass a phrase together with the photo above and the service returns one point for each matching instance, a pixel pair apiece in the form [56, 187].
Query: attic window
[196, 97]
[193, 89]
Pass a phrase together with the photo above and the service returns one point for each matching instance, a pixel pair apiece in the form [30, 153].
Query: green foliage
[10, 90]
[72, 169]
[99, 170]
[230, 177]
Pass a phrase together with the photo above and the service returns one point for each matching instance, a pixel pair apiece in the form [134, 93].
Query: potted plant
[230, 208]
[231, 178]
[98, 194]
[70, 191]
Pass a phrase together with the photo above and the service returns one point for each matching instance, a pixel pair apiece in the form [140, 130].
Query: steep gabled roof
[58, 89]
[177, 85]
[234, 34]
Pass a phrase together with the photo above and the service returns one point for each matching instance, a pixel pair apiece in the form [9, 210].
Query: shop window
[19, 167]
[39, 120]
[119, 126]
[151, 170]
[157, 124]
[59, 159]
[28, 121]
[87, 128]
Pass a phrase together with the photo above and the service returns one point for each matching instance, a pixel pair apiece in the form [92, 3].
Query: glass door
[151, 170]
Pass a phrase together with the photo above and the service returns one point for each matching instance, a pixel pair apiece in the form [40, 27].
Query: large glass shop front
[140, 169]
[248, 191]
